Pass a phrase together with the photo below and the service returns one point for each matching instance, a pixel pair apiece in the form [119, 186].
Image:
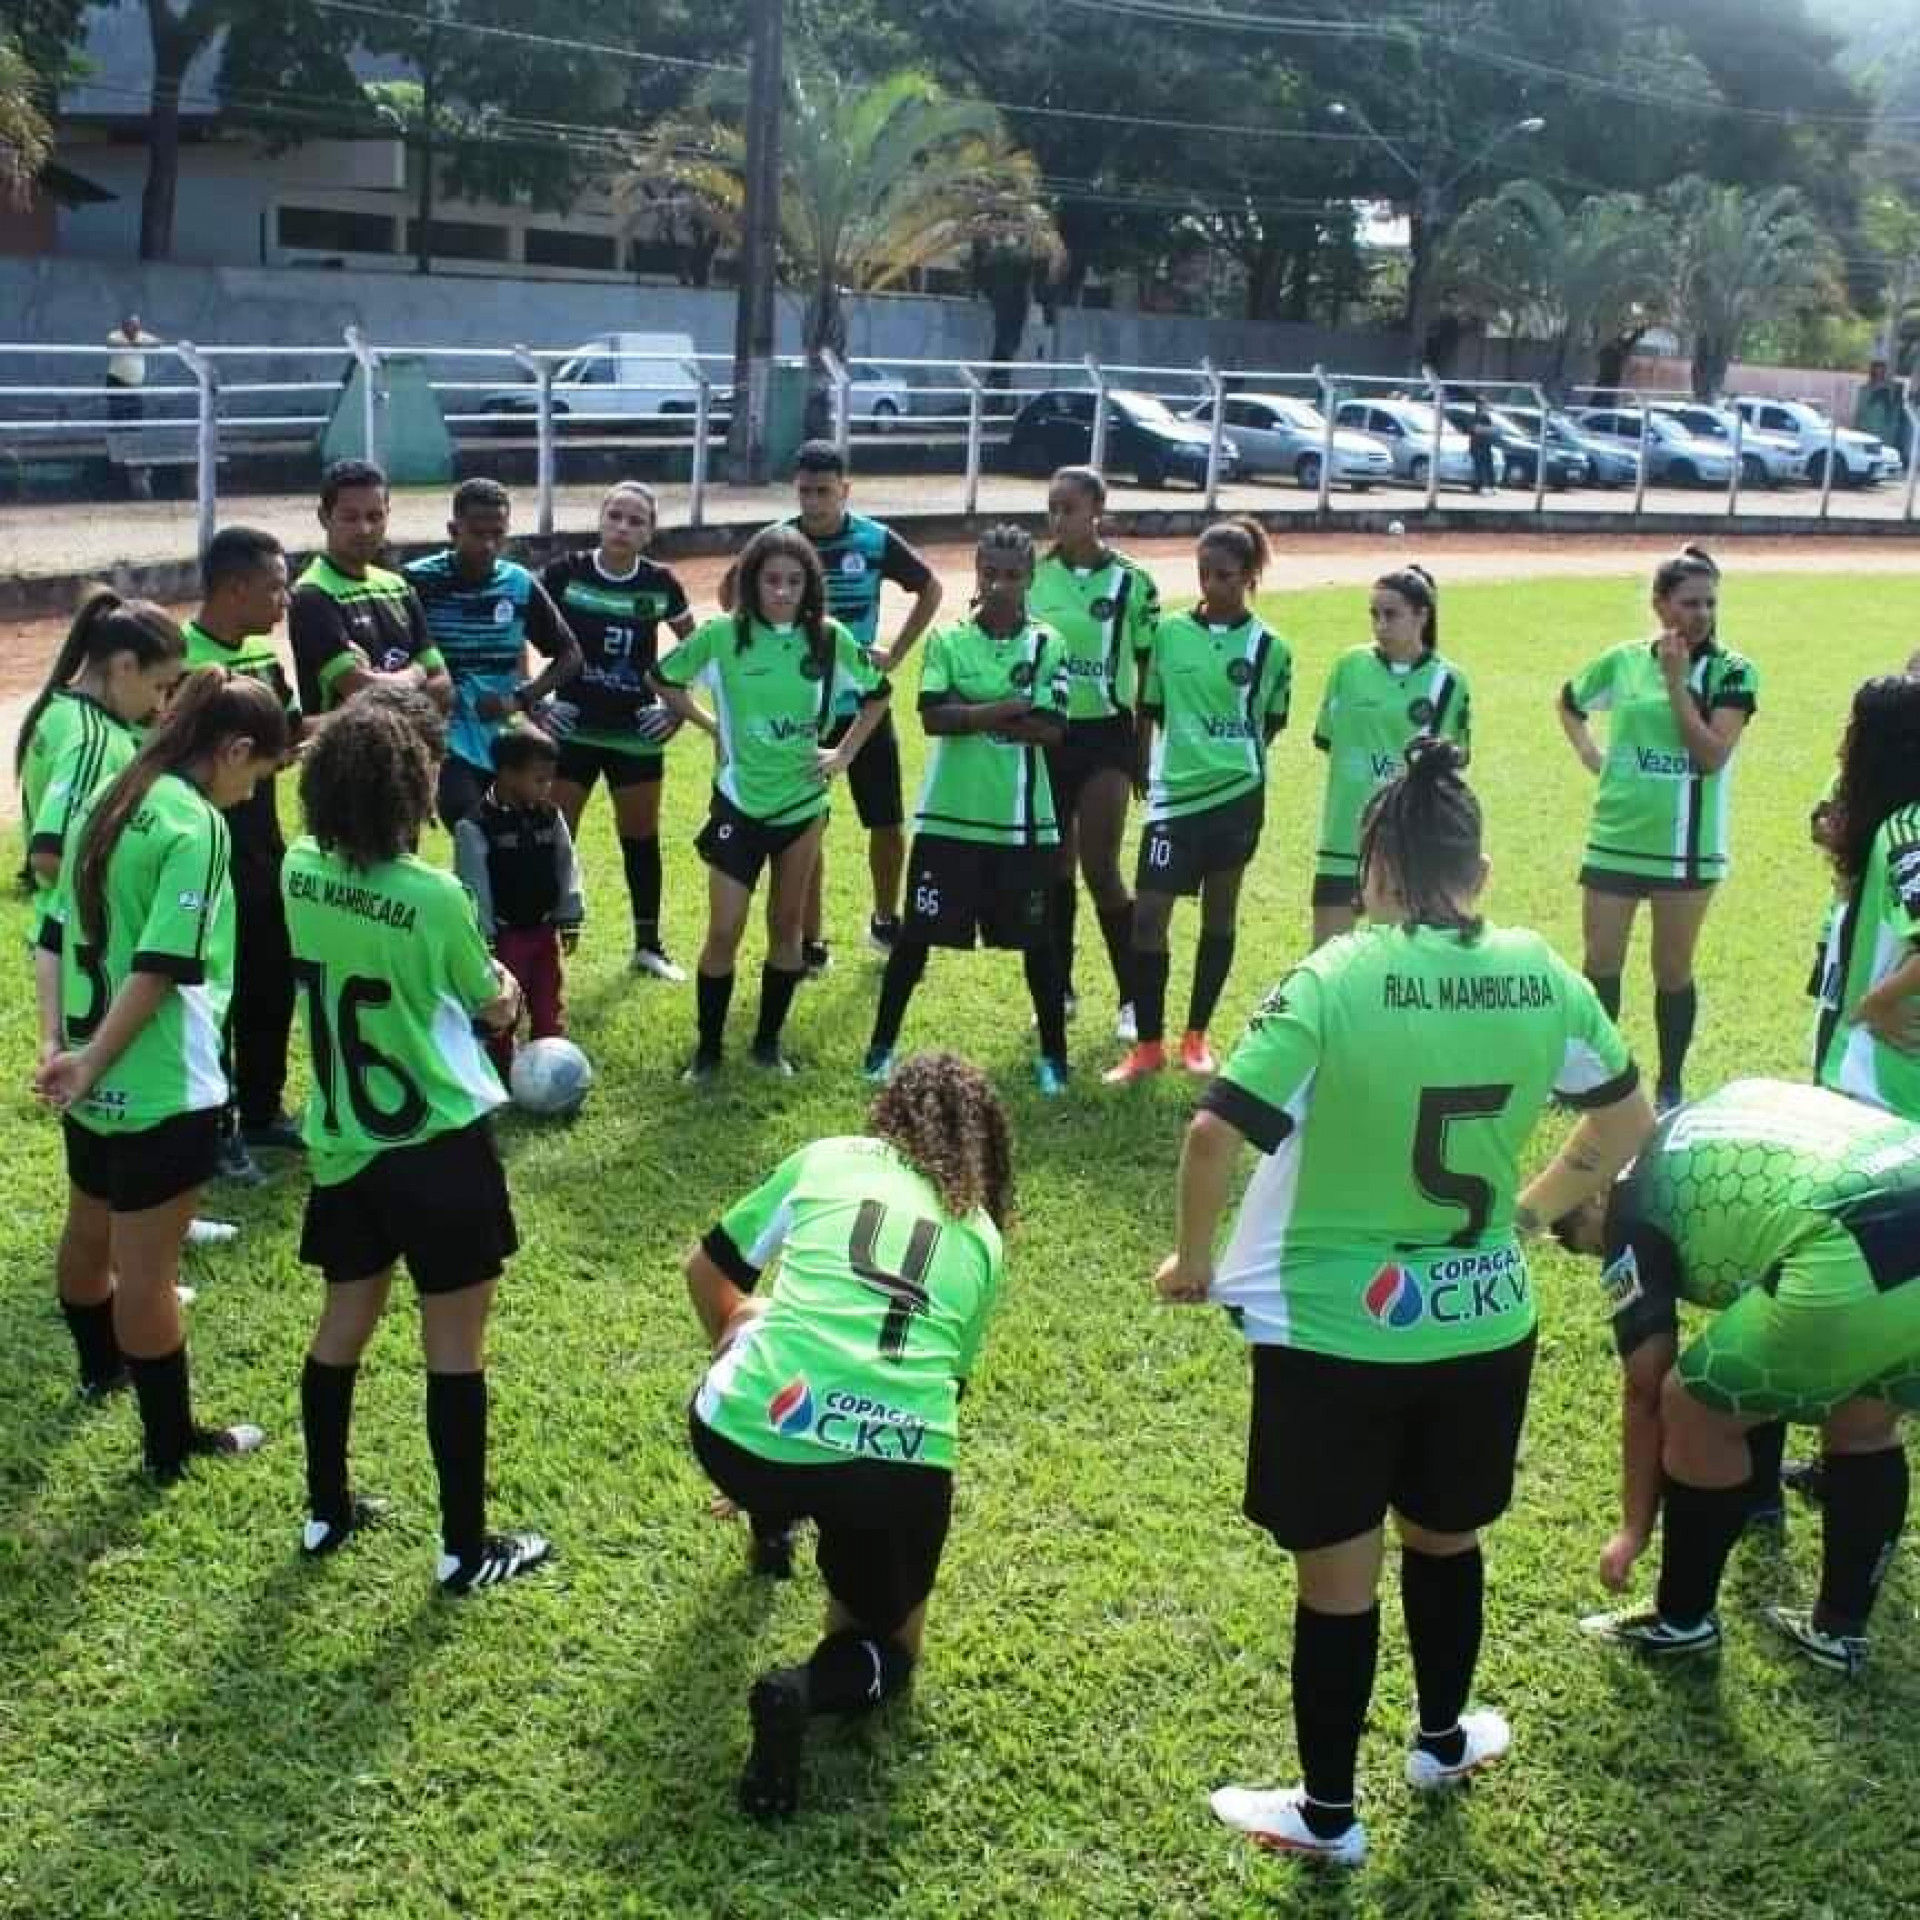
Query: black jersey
[617, 621]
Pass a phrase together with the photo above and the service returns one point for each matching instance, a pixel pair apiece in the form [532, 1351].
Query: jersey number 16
[345, 1060]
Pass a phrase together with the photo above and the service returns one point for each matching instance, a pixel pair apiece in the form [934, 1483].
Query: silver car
[1766, 459]
[1675, 457]
[1406, 428]
[1280, 433]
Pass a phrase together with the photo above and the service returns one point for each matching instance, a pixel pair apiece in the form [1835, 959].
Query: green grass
[192, 1723]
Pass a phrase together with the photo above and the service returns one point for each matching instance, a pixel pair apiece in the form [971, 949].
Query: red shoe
[1145, 1057]
[1196, 1056]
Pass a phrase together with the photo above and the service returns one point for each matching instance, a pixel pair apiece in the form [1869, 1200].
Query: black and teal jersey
[858, 558]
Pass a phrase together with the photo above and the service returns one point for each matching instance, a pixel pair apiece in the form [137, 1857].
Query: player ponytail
[1418, 588]
[1425, 827]
[1244, 541]
[1690, 563]
[942, 1116]
[1879, 769]
[772, 543]
[366, 783]
[104, 625]
[210, 709]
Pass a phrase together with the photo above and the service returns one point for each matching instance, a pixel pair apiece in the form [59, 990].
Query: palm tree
[1739, 259]
[878, 179]
[1576, 278]
[26, 141]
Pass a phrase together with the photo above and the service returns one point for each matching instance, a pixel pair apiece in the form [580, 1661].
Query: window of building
[333, 230]
[461, 240]
[556, 247]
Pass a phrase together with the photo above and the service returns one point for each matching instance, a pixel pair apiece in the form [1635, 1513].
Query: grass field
[193, 1723]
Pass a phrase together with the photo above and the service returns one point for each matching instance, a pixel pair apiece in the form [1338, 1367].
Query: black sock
[1150, 995]
[777, 986]
[457, 1434]
[1607, 987]
[1673, 1018]
[1443, 1597]
[641, 858]
[1768, 1446]
[91, 1324]
[852, 1673]
[326, 1417]
[1333, 1660]
[905, 966]
[1211, 965]
[1047, 988]
[712, 993]
[1698, 1528]
[1866, 1507]
[166, 1410]
[1116, 929]
[1065, 909]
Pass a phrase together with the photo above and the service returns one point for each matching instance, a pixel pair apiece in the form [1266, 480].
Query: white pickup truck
[612, 377]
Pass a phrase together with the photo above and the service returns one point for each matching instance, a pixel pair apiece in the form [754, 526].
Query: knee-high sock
[641, 858]
[1047, 987]
[1063, 911]
[777, 986]
[1334, 1655]
[1150, 995]
[1866, 1508]
[1673, 1018]
[1211, 965]
[1116, 929]
[1698, 1528]
[1443, 1597]
[1768, 1446]
[852, 1672]
[906, 964]
[166, 1410]
[326, 1418]
[91, 1324]
[1607, 986]
[457, 1436]
[712, 993]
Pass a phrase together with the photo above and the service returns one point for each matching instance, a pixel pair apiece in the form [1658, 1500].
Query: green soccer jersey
[1392, 1080]
[77, 747]
[1657, 815]
[1870, 935]
[1373, 710]
[169, 911]
[982, 786]
[1106, 614]
[774, 706]
[392, 969]
[1216, 693]
[873, 1321]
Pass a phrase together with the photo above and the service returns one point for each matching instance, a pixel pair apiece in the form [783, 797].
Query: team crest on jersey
[853, 564]
[1020, 675]
[503, 613]
[811, 668]
[1420, 712]
[191, 902]
[1102, 609]
[1240, 672]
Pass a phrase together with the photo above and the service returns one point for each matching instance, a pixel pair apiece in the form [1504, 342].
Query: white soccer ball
[1397, 529]
[550, 1078]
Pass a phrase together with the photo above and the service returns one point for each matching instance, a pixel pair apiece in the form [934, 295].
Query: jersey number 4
[906, 1289]
[341, 1053]
[1445, 1186]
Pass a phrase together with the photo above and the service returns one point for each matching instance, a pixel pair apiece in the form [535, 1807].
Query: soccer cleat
[1642, 1629]
[241, 1437]
[769, 1059]
[877, 1068]
[1146, 1057]
[1837, 1652]
[815, 960]
[1050, 1076]
[1126, 1029]
[1275, 1818]
[185, 1295]
[498, 1558]
[1196, 1056]
[281, 1134]
[318, 1538]
[883, 929]
[702, 1070]
[1487, 1739]
[237, 1164]
[201, 1234]
[1666, 1097]
[770, 1781]
[653, 962]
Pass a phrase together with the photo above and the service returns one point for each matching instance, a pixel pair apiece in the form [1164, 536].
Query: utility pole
[423, 187]
[753, 310]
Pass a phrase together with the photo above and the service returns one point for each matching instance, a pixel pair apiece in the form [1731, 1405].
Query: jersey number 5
[1440, 1107]
[357, 1058]
[906, 1290]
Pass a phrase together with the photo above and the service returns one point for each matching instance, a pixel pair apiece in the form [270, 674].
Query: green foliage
[26, 140]
[197, 1726]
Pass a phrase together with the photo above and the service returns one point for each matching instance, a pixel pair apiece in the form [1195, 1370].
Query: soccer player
[993, 698]
[243, 598]
[1867, 1042]
[834, 1394]
[395, 977]
[1679, 705]
[355, 624]
[1391, 1080]
[135, 971]
[777, 669]
[1794, 1216]
[615, 600]
[513, 853]
[482, 610]
[1105, 607]
[1218, 685]
[1378, 699]
[110, 679]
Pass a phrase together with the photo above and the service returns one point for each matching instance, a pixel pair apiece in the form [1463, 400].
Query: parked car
[1608, 465]
[634, 375]
[1766, 459]
[1406, 426]
[1859, 459]
[1145, 437]
[877, 395]
[1279, 433]
[1675, 457]
[1520, 449]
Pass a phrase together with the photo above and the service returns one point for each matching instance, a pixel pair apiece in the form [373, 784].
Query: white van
[614, 375]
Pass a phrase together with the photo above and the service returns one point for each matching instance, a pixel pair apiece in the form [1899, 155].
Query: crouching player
[834, 1396]
[1795, 1215]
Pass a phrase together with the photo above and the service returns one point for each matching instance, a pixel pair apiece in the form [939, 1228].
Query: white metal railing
[233, 401]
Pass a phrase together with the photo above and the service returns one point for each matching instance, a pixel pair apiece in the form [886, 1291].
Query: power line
[487, 31]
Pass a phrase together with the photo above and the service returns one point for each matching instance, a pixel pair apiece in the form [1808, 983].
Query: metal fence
[225, 411]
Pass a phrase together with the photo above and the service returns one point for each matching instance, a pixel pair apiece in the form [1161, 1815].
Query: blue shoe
[877, 1068]
[1050, 1076]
